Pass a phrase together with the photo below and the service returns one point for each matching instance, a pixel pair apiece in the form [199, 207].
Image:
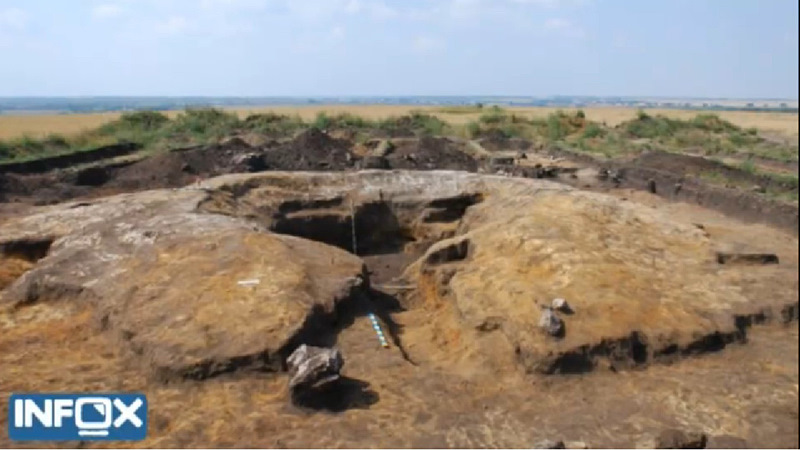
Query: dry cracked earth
[682, 317]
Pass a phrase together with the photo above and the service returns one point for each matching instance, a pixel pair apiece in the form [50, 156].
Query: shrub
[134, 123]
[427, 124]
[740, 139]
[321, 121]
[28, 144]
[417, 123]
[205, 123]
[147, 120]
[645, 126]
[6, 150]
[273, 124]
[593, 130]
[473, 129]
[713, 123]
[555, 128]
[748, 166]
[350, 121]
[56, 140]
[494, 116]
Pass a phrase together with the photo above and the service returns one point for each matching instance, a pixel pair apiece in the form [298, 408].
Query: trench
[19, 256]
[388, 236]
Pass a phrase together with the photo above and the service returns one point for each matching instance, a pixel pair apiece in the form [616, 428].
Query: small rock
[678, 439]
[759, 189]
[311, 367]
[547, 443]
[726, 441]
[551, 323]
[560, 304]
[580, 445]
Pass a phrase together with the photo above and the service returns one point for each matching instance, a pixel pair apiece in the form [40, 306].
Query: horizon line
[390, 96]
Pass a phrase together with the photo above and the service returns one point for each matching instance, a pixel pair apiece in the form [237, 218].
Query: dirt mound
[429, 153]
[175, 168]
[688, 165]
[695, 179]
[45, 189]
[311, 150]
[181, 167]
[61, 161]
[227, 326]
[495, 140]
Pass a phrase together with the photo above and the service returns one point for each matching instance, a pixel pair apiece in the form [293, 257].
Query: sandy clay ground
[683, 317]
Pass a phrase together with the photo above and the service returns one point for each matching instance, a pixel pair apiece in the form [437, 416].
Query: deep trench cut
[373, 226]
[19, 256]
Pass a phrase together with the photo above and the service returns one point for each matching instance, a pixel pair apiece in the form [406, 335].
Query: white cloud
[563, 27]
[427, 44]
[13, 18]
[107, 11]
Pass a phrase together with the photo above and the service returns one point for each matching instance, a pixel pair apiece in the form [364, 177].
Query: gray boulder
[312, 367]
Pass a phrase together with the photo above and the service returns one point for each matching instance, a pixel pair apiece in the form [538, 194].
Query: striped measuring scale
[377, 327]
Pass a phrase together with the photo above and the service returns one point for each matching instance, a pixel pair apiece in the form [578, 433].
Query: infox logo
[77, 417]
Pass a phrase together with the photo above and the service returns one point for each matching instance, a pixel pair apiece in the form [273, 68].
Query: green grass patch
[420, 124]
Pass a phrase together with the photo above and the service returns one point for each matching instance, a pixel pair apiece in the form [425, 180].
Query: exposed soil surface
[684, 317]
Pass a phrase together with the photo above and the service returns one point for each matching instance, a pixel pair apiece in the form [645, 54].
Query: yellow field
[38, 125]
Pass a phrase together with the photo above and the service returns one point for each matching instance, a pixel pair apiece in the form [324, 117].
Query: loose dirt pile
[431, 153]
[311, 150]
[696, 166]
[495, 140]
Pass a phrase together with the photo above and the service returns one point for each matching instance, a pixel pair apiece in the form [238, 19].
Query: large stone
[166, 282]
[311, 367]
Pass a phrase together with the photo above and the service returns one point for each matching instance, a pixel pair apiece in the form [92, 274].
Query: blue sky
[695, 48]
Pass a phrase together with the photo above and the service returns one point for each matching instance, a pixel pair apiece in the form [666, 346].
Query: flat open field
[11, 126]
